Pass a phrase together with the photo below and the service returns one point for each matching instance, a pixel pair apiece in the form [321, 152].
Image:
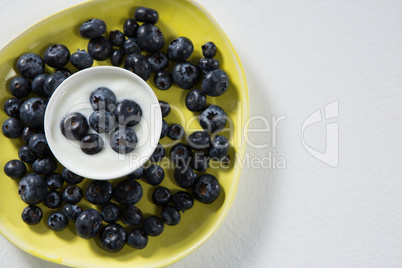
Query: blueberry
[20, 87]
[117, 57]
[131, 46]
[71, 177]
[215, 83]
[180, 49]
[186, 75]
[123, 140]
[130, 27]
[159, 61]
[138, 64]
[112, 237]
[154, 174]
[92, 28]
[12, 107]
[150, 38]
[200, 162]
[176, 132]
[196, 100]
[148, 15]
[102, 98]
[74, 126]
[88, 223]
[56, 56]
[92, 144]
[26, 155]
[71, 212]
[54, 180]
[213, 119]
[38, 85]
[199, 140]
[158, 154]
[15, 169]
[81, 59]
[161, 196]
[184, 176]
[137, 174]
[102, 121]
[32, 189]
[170, 215]
[209, 50]
[12, 128]
[183, 201]
[28, 132]
[32, 112]
[53, 199]
[99, 192]
[57, 221]
[110, 212]
[32, 215]
[127, 192]
[163, 80]
[117, 38]
[165, 128]
[38, 144]
[206, 189]
[128, 113]
[72, 194]
[137, 238]
[219, 147]
[64, 71]
[30, 65]
[44, 165]
[207, 65]
[52, 81]
[100, 48]
[132, 215]
[153, 225]
[181, 154]
[165, 108]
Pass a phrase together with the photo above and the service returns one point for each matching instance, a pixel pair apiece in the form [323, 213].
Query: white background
[300, 56]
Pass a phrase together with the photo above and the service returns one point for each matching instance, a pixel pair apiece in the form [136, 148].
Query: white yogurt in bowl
[73, 96]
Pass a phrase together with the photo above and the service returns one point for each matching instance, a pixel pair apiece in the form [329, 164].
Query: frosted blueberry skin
[112, 237]
[19, 87]
[32, 189]
[196, 100]
[32, 215]
[88, 223]
[57, 221]
[56, 56]
[30, 65]
[12, 128]
[74, 126]
[213, 119]
[15, 169]
[147, 15]
[180, 49]
[206, 189]
[81, 59]
[209, 50]
[215, 83]
[137, 238]
[138, 64]
[186, 75]
[92, 144]
[127, 113]
[92, 28]
[103, 98]
[100, 48]
[150, 38]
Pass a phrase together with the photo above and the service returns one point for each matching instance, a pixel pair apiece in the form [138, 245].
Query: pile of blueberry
[139, 47]
[108, 116]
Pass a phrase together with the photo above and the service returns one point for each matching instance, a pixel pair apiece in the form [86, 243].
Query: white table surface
[299, 57]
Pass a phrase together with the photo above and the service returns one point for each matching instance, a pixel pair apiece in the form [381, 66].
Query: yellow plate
[177, 18]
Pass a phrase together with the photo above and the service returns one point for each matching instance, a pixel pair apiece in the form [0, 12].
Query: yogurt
[73, 96]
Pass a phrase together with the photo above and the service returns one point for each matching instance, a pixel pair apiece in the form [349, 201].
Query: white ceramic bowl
[73, 96]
